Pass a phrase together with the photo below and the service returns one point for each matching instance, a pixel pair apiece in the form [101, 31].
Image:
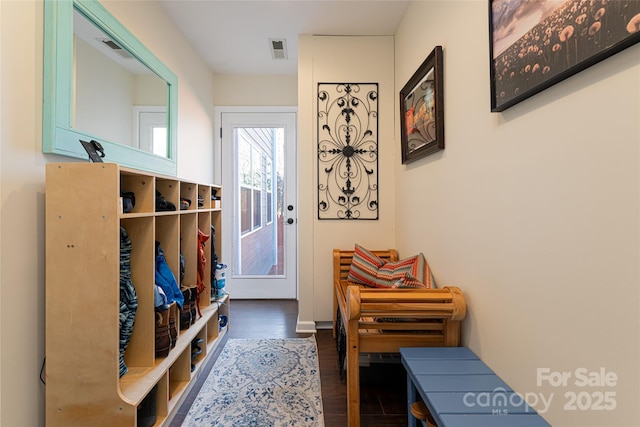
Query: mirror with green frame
[102, 84]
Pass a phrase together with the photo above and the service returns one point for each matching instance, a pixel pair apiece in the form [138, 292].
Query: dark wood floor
[382, 388]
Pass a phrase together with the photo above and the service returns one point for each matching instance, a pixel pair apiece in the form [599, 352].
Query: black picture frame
[422, 110]
[528, 56]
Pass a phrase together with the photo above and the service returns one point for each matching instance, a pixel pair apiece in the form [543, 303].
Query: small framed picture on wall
[422, 110]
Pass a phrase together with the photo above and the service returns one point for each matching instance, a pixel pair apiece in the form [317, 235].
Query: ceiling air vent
[116, 48]
[278, 48]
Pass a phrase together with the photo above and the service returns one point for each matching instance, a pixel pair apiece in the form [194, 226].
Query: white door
[150, 129]
[259, 167]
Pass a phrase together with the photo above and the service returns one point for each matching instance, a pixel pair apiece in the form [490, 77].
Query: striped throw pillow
[364, 266]
[412, 272]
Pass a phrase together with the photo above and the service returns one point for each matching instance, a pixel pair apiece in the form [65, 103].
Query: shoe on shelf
[163, 338]
[173, 327]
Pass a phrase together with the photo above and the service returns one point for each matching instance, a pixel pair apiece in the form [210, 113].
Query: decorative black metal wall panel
[347, 151]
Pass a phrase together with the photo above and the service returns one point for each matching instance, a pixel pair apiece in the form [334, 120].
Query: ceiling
[233, 36]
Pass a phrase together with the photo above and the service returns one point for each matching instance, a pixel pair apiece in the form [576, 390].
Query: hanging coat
[128, 298]
[166, 280]
[202, 260]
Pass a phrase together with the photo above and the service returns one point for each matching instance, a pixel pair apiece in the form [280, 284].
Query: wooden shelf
[83, 219]
[136, 383]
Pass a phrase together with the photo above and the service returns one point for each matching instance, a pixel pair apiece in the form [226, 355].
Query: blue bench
[460, 390]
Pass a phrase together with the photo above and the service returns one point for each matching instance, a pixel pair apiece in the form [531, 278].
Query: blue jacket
[166, 280]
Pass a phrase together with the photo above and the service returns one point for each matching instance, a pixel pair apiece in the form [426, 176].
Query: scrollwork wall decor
[347, 151]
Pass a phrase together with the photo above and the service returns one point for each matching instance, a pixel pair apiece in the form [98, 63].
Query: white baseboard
[327, 324]
[305, 327]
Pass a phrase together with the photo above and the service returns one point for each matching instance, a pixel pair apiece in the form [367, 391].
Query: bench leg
[353, 375]
[412, 396]
[335, 313]
[451, 333]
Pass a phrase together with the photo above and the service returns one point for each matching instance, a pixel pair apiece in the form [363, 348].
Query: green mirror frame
[58, 135]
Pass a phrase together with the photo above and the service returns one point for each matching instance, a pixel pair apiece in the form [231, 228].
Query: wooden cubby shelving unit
[83, 219]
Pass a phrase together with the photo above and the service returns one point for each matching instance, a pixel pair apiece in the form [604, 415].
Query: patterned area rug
[261, 382]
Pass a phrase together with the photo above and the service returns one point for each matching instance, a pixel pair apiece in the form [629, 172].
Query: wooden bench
[372, 320]
[452, 387]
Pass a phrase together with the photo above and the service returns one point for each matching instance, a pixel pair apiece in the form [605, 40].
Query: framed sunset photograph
[536, 44]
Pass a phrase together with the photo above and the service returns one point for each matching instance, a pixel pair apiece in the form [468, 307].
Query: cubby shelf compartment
[189, 191]
[84, 213]
[135, 384]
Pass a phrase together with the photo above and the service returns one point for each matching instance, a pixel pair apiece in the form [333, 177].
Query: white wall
[344, 60]
[1, 192]
[22, 181]
[22, 222]
[533, 212]
[255, 90]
